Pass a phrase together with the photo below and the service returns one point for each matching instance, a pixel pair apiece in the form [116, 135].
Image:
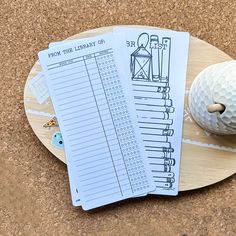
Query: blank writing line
[96, 176]
[88, 146]
[102, 180]
[82, 126]
[139, 90]
[69, 80]
[97, 155]
[97, 171]
[78, 149]
[72, 118]
[77, 100]
[125, 179]
[95, 182]
[80, 122]
[86, 103]
[104, 190]
[79, 105]
[59, 72]
[70, 85]
[72, 96]
[81, 154]
[77, 94]
[145, 85]
[100, 186]
[63, 76]
[59, 94]
[71, 140]
[141, 127]
[89, 162]
[102, 196]
[69, 135]
[80, 110]
[93, 166]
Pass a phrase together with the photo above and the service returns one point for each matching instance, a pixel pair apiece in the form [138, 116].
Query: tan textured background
[34, 190]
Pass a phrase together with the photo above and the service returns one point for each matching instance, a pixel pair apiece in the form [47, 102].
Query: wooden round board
[206, 158]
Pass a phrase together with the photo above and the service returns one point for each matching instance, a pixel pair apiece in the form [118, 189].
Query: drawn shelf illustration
[150, 62]
[202, 152]
[154, 64]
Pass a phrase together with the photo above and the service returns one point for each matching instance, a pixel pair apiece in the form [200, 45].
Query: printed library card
[91, 99]
[59, 43]
[158, 64]
[74, 189]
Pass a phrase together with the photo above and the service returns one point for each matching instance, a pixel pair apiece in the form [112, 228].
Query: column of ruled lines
[118, 160]
[76, 103]
[136, 177]
[67, 78]
[83, 127]
[100, 175]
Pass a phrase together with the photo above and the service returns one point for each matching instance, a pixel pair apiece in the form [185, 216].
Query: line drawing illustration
[141, 60]
[150, 73]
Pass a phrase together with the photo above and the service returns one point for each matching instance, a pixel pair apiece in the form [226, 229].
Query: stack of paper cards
[118, 99]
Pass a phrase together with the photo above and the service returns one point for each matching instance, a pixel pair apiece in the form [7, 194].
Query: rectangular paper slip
[122, 51]
[158, 64]
[158, 79]
[59, 43]
[74, 189]
[102, 146]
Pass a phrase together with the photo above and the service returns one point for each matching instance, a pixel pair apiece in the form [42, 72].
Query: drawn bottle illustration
[155, 52]
[141, 60]
[165, 59]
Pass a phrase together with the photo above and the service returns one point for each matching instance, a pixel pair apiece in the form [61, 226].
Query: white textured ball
[215, 85]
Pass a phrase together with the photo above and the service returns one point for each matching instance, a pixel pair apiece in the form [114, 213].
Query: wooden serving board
[206, 158]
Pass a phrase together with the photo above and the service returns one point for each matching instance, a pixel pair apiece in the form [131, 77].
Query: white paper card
[74, 189]
[95, 116]
[158, 64]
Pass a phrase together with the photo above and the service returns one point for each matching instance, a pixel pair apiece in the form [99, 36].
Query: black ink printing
[150, 73]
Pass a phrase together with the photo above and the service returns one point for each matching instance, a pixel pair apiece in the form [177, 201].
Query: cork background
[34, 189]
